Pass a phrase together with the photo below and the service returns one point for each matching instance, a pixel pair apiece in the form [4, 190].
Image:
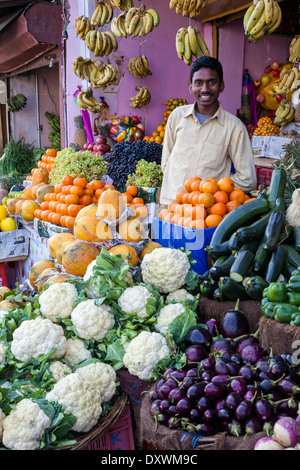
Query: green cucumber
[231, 289]
[233, 243]
[242, 265]
[276, 264]
[293, 256]
[218, 250]
[237, 218]
[273, 230]
[221, 269]
[261, 258]
[277, 184]
[251, 246]
[217, 295]
[255, 286]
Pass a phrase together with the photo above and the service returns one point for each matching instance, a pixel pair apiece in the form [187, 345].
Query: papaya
[11, 204]
[91, 229]
[148, 247]
[40, 175]
[44, 276]
[77, 256]
[131, 255]
[57, 278]
[111, 205]
[56, 240]
[37, 269]
[132, 230]
[27, 210]
[18, 206]
[42, 190]
[35, 188]
[60, 249]
[90, 210]
[27, 193]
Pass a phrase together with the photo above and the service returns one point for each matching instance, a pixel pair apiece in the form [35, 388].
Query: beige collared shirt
[191, 149]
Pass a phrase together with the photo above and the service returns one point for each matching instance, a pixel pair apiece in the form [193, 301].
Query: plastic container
[119, 438]
[176, 236]
[263, 175]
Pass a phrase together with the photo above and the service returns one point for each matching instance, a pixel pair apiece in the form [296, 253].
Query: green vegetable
[255, 286]
[293, 298]
[17, 160]
[147, 174]
[231, 289]
[277, 184]
[283, 313]
[261, 258]
[296, 320]
[276, 264]
[207, 288]
[221, 267]
[241, 266]
[277, 292]
[293, 286]
[273, 230]
[293, 256]
[216, 251]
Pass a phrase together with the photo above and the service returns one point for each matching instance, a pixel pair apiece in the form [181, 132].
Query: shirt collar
[219, 114]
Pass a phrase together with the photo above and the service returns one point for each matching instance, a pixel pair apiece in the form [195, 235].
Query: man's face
[206, 88]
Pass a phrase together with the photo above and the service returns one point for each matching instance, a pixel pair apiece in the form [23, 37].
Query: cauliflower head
[143, 352]
[80, 398]
[58, 300]
[89, 271]
[92, 321]
[165, 269]
[134, 301]
[59, 370]
[76, 352]
[179, 295]
[2, 353]
[166, 315]
[38, 336]
[102, 376]
[2, 418]
[3, 313]
[24, 426]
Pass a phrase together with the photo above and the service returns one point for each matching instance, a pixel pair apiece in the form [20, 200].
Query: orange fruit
[195, 198]
[63, 209]
[44, 205]
[231, 205]
[109, 186]
[88, 190]
[76, 190]
[72, 199]
[213, 220]
[198, 223]
[56, 218]
[51, 152]
[44, 215]
[52, 197]
[221, 196]
[175, 218]
[195, 185]
[196, 212]
[189, 181]
[226, 184]
[85, 200]
[207, 199]
[182, 208]
[67, 179]
[73, 209]
[79, 182]
[181, 220]
[63, 220]
[210, 187]
[187, 221]
[95, 184]
[249, 199]
[63, 198]
[162, 214]
[179, 195]
[186, 198]
[141, 211]
[127, 197]
[193, 194]
[58, 188]
[201, 184]
[171, 205]
[98, 192]
[237, 194]
[138, 200]
[219, 208]
[69, 221]
[169, 216]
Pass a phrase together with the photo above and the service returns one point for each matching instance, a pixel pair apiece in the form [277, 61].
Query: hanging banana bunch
[284, 113]
[189, 8]
[294, 49]
[142, 98]
[103, 14]
[87, 101]
[83, 68]
[189, 42]
[263, 17]
[101, 43]
[123, 5]
[139, 66]
[289, 80]
[82, 26]
[104, 76]
[136, 22]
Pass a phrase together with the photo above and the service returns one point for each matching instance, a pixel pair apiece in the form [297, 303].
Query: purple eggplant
[215, 390]
[268, 425]
[193, 373]
[220, 403]
[222, 368]
[169, 371]
[165, 390]
[262, 365]
[289, 406]
[163, 419]
[233, 368]
[195, 415]
[246, 340]
[222, 346]
[253, 425]
[172, 410]
[234, 323]
[205, 429]
[247, 373]
[176, 394]
[237, 359]
[238, 385]
[196, 390]
[195, 354]
[184, 406]
[235, 427]
[224, 414]
[204, 403]
[210, 415]
[164, 406]
[160, 383]
[288, 387]
[154, 408]
[232, 400]
[178, 374]
[252, 353]
[212, 326]
[251, 392]
[208, 363]
[186, 383]
[208, 375]
[198, 335]
[278, 369]
[263, 409]
[266, 386]
[221, 379]
[244, 410]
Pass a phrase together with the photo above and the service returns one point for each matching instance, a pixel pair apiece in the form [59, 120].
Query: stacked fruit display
[266, 126]
[47, 160]
[190, 43]
[100, 147]
[55, 134]
[204, 203]
[128, 128]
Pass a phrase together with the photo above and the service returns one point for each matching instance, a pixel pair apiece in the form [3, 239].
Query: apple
[260, 98]
[114, 129]
[101, 140]
[140, 126]
[90, 147]
[276, 73]
[135, 118]
[265, 79]
[257, 83]
[268, 69]
[275, 65]
[279, 97]
[85, 147]
[102, 148]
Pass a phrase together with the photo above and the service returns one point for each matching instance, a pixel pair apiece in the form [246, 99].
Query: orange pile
[265, 126]
[45, 162]
[204, 203]
[157, 135]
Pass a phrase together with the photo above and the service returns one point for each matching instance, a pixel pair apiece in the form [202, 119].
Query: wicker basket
[103, 426]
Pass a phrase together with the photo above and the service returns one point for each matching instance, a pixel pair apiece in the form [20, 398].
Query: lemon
[8, 224]
[3, 212]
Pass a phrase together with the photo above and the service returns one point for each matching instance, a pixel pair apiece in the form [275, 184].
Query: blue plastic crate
[176, 236]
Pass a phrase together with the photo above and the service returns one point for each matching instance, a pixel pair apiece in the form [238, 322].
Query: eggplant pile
[227, 384]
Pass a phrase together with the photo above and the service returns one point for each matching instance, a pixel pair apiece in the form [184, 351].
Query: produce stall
[178, 326]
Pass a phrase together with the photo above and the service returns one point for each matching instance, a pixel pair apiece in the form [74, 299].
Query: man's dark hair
[209, 63]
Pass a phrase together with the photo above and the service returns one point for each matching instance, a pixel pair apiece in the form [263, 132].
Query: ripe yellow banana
[155, 16]
[193, 39]
[277, 17]
[255, 15]
[179, 42]
[247, 15]
[269, 11]
[202, 44]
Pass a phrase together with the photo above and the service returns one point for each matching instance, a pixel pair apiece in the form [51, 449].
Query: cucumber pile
[252, 247]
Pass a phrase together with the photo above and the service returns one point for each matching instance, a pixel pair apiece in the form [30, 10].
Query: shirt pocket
[211, 156]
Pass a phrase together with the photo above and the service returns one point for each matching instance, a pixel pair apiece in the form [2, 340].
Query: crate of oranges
[265, 127]
[204, 203]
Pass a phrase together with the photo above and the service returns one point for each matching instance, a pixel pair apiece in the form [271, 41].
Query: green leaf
[181, 325]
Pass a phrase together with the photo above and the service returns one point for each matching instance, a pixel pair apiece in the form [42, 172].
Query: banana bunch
[87, 101]
[263, 17]
[101, 42]
[16, 103]
[289, 81]
[84, 68]
[103, 14]
[284, 113]
[123, 5]
[136, 22]
[294, 49]
[104, 76]
[139, 66]
[189, 8]
[54, 124]
[142, 98]
[189, 42]
[82, 26]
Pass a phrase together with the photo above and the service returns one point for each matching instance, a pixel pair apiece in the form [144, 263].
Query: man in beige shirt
[203, 139]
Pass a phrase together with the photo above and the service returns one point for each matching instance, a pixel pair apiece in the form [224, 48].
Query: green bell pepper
[296, 321]
[293, 298]
[283, 313]
[277, 292]
[265, 293]
[294, 278]
[293, 286]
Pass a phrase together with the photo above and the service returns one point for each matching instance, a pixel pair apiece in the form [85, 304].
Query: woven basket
[103, 426]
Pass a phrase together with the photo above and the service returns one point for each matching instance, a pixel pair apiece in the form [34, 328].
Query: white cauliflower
[59, 370]
[80, 398]
[38, 336]
[102, 376]
[179, 295]
[76, 352]
[58, 300]
[92, 321]
[165, 269]
[134, 301]
[24, 426]
[3, 313]
[143, 352]
[89, 271]
[2, 353]
[2, 418]
[166, 315]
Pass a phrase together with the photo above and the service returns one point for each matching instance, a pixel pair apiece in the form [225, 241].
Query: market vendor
[202, 139]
